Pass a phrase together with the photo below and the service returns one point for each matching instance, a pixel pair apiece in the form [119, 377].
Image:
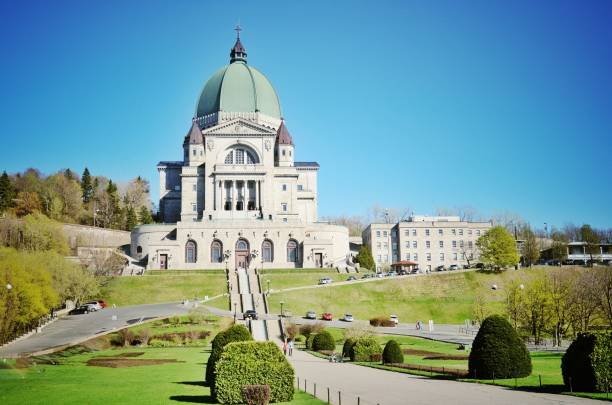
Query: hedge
[587, 363]
[392, 354]
[323, 341]
[382, 321]
[366, 349]
[235, 333]
[498, 351]
[253, 363]
[347, 348]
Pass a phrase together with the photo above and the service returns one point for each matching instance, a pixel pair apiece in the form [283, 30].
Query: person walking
[285, 346]
[291, 347]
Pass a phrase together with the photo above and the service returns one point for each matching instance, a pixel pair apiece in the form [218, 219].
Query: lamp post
[227, 255]
[235, 314]
[281, 304]
[254, 255]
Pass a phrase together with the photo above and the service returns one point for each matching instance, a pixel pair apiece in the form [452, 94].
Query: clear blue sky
[498, 105]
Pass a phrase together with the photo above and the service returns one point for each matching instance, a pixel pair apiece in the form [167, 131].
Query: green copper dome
[238, 87]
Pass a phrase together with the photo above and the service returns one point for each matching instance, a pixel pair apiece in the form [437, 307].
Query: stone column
[234, 186]
[256, 190]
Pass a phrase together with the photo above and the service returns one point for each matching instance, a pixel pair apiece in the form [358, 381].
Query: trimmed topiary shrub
[235, 333]
[392, 354]
[256, 394]
[587, 363]
[253, 363]
[365, 348]
[323, 341]
[347, 348]
[498, 351]
[309, 341]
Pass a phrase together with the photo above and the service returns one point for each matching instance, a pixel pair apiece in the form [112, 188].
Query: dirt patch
[121, 362]
[422, 353]
[448, 357]
[120, 355]
[454, 372]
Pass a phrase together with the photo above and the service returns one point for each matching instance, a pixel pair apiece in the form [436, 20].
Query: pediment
[239, 127]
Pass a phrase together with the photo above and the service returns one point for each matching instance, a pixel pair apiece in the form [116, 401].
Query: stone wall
[89, 236]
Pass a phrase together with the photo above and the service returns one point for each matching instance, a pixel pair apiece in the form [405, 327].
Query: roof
[404, 263]
[194, 136]
[306, 164]
[282, 135]
[170, 163]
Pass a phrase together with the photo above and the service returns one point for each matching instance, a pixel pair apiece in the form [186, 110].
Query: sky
[415, 105]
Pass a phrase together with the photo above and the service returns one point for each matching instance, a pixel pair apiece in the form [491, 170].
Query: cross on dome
[238, 52]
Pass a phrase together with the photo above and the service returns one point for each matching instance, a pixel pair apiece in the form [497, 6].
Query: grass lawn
[74, 382]
[281, 279]
[162, 288]
[445, 298]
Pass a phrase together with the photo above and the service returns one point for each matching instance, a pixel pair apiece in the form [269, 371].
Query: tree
[498, 248]
[7, 192]
[137, 193]
[28, 202]
[144, 215]
[590, 237]
[537, 307]
[530, 249]
[515, 308]
[87, 188]
[559, 245]
[130, 218]
[604, 284]
[559, 286]
[109, 211]
[364, 258]
[392, 353]
[584, 299]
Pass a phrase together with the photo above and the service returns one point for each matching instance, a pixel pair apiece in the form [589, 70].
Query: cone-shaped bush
[392, 353]
[323, 341]
[236, 333]
[587, 363]
[498, 351]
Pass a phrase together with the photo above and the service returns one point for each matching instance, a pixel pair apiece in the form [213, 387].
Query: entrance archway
[242, 254]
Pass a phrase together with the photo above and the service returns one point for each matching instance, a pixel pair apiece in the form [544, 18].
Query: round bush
[365, 349]
[323, 341]
[347, 348]
[392, 354]
[235, 333]
[498, 351]
[587, 363]
[253, 363]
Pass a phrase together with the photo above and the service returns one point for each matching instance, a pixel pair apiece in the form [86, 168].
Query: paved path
[382, 387]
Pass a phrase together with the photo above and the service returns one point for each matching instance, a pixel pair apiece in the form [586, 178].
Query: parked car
[351, 278]
[250, 314]
[95, 304]
[394, 319]
[402, 272]
[479, 266]
[392, 274]
[440, 268]
[348, 317]
[325, 280]
[82, 309]
[466, 266]
[327, 316]
[453, 267]
[311, 315]
[103, 303]
[414, 271]
[380, 275]
[368, 275]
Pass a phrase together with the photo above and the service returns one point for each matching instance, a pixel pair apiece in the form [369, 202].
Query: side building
[429, 242]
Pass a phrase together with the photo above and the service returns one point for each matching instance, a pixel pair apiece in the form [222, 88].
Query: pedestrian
[290, 347]
[285, 347]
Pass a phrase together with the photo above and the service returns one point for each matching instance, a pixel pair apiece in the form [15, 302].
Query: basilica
[239, 199]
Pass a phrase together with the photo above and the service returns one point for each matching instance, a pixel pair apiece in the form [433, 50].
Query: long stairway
[251, 298]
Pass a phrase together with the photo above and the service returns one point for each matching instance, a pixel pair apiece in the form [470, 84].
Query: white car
[394, 319]
[380, 275]
[348, 317]
[95, 305]
[325, 280]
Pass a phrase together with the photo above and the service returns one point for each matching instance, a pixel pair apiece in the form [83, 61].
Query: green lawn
[73, 382]
[162, 288]
[445, 298]
[281, 279]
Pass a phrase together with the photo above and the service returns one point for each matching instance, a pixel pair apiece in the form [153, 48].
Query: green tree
[87, 188]
[130, 218]
[498, 248]
[7, 192]
[364, 258]
[590, 237]
[530, 249]
[392, 353]
[559, 245]
[144, 215]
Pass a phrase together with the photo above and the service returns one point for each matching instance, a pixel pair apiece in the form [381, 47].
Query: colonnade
[238, 195]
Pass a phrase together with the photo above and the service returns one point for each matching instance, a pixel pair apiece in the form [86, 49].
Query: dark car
[351, 278]
[440, 268]
[250, 314]
[83, 309]
[402, 272]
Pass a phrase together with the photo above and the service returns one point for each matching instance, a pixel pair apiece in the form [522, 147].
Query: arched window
[292, 251]
[242, 244]
[267, 251]
[191, 252]
[139, 249]
[216, 252]
[240, 155]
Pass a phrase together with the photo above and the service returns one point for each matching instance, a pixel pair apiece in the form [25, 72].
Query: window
[414, 244]
[441, 257]
[190, 252]
[300, 187]
[454, 243]
[470, 244]
[407, 232]
[241, 155]
[414, 232]
[267, 251]
[469, 231]
[378, 245]
[216, 252]
[427, 244]
[229, 159]
[428, 257]
[407, 256]
[139, 249]
[195, 187]
[461, 243]
[194, 152]
[426, 232]
[385, 234]
[284, 187]
[454, 256]
[379, 258]
[378, 234]
[477, 232]
[460, 232]
[394, 245]
[284, 152]
[284, 207]
[407, 244]
[454, 231]
[415, 257]
[429, 268]
[292, 251]
[194, 207]
[441, 244]
[386, 245]
[471, 256]
[440, 232]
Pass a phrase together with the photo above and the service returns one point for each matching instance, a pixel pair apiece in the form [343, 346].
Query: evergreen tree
[7, 192]
[68, 174]
[87, 187]
[364, 258]
[145, 215]
[130, 219]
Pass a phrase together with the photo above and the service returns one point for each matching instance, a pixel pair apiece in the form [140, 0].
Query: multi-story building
[428, 241]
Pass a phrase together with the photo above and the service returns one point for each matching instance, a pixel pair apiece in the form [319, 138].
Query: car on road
[250, 314]
[327, 316]
[95, 304]
[325, 280]
[82, 309]
[368, 275]
[402, 272]
[311, 315]
[391, 274]
[380, 275]
[394, 318]
[440, 268]
[351, 278]
[348, 318]
[453, 267]
[414, 271]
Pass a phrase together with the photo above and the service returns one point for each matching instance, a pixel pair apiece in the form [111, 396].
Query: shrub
[392, 354]
[376, 357]
[248, 363]
[197, 315]
[323, 341]
[498, 351]
[587, 363]
[174, 320]
[292, 330]
[236, 333]
[377, 321]
[144, 336]
[309, 341]
[311, 328]
[124, 338]
[347, 348]
[160, 343]
[256, 394]
[358, 331]
[364, 348]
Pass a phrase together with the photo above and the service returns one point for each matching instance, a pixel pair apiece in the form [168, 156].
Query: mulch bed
[455, 372]
[421, 353]
[121, 362]
[126, 354]
[448, 357]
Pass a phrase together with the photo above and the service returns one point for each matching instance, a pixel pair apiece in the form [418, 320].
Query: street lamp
[254, 254]
[281, 304]
[227, 255]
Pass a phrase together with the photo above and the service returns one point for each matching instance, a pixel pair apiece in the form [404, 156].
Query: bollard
[298, 383]
[339, 398]
[305, 385]
[315, 390]
[358, 401]
[328, 395]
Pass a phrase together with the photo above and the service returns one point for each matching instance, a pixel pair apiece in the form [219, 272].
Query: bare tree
[584, 299]
[559, 286]
[604, 284]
